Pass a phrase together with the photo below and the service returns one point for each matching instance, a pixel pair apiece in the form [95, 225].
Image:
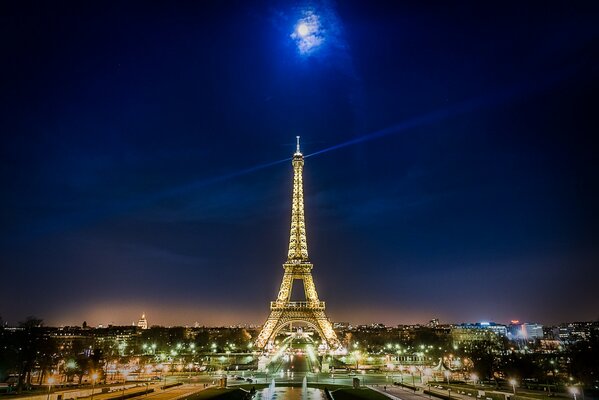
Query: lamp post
[94, 377]
[513, 383]
[474, 378]
[574, 391]
[357, 358]
[428, 372]
[401, 373]
[51, 382]
[412, 370]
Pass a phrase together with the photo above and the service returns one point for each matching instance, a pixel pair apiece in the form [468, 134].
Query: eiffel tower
[283, 311]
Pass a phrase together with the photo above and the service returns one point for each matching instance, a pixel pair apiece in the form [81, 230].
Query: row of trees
[76, 352]
[491, 359]
[29, 348]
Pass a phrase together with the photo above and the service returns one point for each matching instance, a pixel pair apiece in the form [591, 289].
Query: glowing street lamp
[51, 382]
[94, 378]
[447, 375]
[474, 378]
[428, 372]
[573, 390]
[357, 357]
[513, 383]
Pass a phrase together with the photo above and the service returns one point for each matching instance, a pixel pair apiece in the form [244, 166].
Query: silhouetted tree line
[30, 348]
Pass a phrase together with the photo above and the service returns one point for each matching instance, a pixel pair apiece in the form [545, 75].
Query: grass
[220, 394]
[496, 396]
[357, 394]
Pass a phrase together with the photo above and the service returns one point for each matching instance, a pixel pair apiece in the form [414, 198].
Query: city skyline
[451, 170]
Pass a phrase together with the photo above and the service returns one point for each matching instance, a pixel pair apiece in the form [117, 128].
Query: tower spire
[298, 246]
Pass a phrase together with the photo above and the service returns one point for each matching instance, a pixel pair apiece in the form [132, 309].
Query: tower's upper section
[298, 246]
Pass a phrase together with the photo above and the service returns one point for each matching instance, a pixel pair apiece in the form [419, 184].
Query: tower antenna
[297, 150]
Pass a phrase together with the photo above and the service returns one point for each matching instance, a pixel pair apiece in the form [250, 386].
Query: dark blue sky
[134, 136]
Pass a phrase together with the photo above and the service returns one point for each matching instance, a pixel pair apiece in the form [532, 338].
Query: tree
[484, 359]
[34, 347]
[524, 366]
[583, 357]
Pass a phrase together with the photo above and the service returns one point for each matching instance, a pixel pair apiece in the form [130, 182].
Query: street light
[357, 357]
[94, 377]
[164, 372]
[573, 390]
[474, 378]
[513, 383]
[400, 368]
[51, 382]
[412, 370]
[428, 372]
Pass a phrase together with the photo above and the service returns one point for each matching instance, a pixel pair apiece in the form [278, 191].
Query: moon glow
[308, 33]
[302, 29]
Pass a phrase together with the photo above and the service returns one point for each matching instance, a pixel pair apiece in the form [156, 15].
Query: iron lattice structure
[283, 311]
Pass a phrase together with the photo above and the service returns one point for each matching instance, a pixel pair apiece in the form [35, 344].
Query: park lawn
[249, 386]
[218, 393]
[488, 389]
[330, 386]
[357, 394]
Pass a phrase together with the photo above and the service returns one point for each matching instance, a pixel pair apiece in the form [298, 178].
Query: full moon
[303, 29]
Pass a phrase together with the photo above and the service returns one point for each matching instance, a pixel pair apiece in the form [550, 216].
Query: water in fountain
[290, 393]
[270, 392]
[305, 388]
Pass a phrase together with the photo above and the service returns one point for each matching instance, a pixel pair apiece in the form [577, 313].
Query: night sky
[145, 159]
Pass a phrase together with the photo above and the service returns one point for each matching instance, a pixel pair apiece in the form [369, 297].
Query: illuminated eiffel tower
[283, 311]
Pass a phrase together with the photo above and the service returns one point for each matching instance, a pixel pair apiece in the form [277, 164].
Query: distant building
[433, 323]
[525, 331]
[342, 326]
[143, 322]
[574, 331]
[466, 333]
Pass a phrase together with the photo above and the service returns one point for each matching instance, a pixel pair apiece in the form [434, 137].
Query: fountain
[305, 388]
[283, 392]
[270, 391]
